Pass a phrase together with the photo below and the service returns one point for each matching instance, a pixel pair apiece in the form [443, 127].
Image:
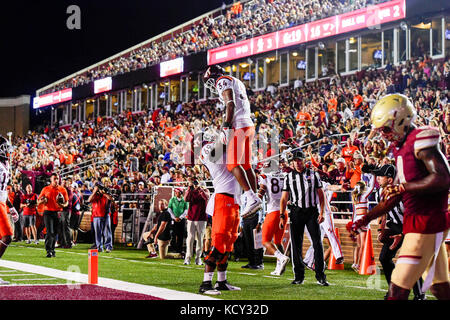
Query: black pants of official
[386, 257]
[64, 236]
[178, 230]
[18, 227]
[51, 224]
[255, 256]
[299, 219]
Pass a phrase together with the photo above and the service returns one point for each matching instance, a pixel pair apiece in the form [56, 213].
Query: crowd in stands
[240, 21]
[329, 119]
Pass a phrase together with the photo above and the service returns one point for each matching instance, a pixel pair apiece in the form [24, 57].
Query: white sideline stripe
[41, 279]
[251, 274]
[17, 274]
[105, 282]
[34, 285]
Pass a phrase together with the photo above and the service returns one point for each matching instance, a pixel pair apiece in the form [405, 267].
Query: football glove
[391, 191]
[225, 134]
[14, 214]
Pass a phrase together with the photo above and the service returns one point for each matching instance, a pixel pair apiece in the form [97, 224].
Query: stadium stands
[239, 22]
[138, 147]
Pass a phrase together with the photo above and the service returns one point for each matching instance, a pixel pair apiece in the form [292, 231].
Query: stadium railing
[82, 166]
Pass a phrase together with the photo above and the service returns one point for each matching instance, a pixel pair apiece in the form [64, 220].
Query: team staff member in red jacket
[28, 203]
[55, 198]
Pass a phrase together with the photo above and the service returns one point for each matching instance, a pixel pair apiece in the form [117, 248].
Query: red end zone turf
[81, 292]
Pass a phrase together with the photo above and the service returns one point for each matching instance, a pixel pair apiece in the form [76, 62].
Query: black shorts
[74, 221]
[29, 221]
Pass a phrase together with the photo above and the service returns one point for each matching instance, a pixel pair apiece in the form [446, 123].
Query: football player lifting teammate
[422, 183]
[223, 205]
[237, 132]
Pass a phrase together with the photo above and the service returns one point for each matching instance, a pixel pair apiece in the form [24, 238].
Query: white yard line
[35, 279]
[105, 282]
[17, 274]
[184, 266]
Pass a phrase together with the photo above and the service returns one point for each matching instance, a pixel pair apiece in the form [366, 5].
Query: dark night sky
[37, 48]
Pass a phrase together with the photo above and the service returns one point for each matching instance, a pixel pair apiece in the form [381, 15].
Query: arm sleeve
[171, 213]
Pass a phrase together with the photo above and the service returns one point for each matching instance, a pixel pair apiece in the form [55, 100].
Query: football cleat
[283, 262]
[225, 286]
[207, 288]
[252, 206]
[281, 266]
[298, 281]
[323, 282]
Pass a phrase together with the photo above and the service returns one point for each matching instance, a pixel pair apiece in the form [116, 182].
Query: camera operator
[161, 233]
[197, 197]
[28, 203]
[99, 199]
[55, 198]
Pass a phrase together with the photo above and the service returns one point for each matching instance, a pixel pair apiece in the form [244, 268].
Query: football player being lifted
[422, 183]
[237, 132]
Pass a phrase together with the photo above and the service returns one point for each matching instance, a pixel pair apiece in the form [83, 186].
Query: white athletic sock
[207, 276]
[278, 254]
[221, 275]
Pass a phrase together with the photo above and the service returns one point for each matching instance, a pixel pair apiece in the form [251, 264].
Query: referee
[390, 232]
[303, 188]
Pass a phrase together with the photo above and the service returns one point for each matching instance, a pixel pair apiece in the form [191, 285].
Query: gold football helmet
[392, 115]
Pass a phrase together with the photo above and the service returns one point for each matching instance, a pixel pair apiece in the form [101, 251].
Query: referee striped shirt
[394, 218]
[302, 188]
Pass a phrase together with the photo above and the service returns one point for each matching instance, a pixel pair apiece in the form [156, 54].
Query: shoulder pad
[426, 137]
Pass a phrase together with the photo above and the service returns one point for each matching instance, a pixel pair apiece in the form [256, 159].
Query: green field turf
[129, 264]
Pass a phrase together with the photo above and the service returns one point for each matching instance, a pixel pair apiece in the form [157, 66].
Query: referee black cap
[298, 154]
[388, 170]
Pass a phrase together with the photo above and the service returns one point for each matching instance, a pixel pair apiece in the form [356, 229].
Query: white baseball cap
[340, 160]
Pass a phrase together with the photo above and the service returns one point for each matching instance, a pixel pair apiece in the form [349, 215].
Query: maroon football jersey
[424, 213]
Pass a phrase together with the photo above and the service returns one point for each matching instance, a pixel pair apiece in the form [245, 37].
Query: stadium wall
[14, 115]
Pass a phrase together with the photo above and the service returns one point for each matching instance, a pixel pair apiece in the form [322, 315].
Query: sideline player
[6, 230]
[237, 132]
[270, 185]
[422, 184]
[326, 230]
[224, 208]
